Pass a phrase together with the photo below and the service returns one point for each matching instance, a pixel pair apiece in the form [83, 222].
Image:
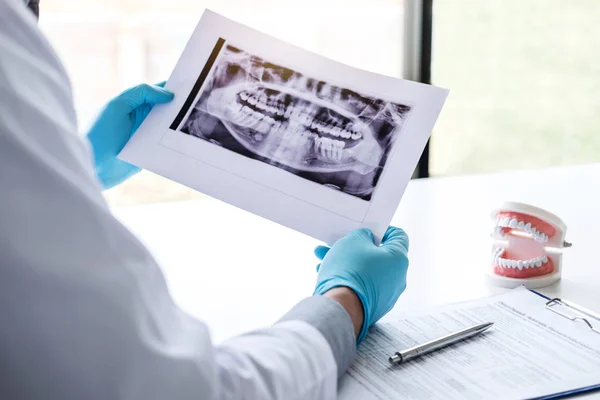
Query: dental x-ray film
[328, 134]
[310, 143]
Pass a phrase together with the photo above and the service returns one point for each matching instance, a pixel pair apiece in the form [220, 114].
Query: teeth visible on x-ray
[285, 117]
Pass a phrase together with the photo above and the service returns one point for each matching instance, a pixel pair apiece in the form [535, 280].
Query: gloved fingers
[321, 251]
[144, 94]
[396, 240]
[363, 234]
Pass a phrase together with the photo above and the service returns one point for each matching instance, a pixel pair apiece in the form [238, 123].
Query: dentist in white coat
[84, 310]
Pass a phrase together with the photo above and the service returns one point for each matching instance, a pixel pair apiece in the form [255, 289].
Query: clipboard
[573, 312]
[534, 334]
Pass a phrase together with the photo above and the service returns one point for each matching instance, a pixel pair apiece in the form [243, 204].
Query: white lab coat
[84, 310]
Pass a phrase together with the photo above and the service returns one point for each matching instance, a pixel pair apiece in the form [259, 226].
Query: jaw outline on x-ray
[297, 121]
[296, 129]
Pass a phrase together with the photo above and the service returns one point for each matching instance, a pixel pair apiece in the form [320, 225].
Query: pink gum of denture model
[527, 247]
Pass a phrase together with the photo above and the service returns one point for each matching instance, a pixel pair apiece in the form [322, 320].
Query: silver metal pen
[413, 352]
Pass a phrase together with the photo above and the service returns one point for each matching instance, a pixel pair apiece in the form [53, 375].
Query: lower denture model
[527, 249]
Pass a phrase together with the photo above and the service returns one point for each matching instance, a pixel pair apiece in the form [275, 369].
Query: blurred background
[524, 75]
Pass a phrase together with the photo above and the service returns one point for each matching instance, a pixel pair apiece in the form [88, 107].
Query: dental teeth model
[527, 248]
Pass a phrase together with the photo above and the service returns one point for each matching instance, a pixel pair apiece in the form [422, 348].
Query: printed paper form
[529, 352]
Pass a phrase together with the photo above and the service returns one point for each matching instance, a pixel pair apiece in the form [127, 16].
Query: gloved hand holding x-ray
[377, 274]
[117, 121]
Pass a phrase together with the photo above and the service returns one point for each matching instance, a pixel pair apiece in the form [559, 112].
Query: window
[524, 80]
[109, 45]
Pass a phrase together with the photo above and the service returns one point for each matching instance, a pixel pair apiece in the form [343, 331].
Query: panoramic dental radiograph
[527, 248]
[330, 135]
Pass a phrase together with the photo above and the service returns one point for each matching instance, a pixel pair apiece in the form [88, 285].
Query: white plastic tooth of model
[520, 264]
[345, 134]
[335, 131]
[505, 222]
[513, 223]
[356, 135]
[538, 262]
[327, 129]
[528, 227]
[521, 225]
[526, 264]
[544, 259]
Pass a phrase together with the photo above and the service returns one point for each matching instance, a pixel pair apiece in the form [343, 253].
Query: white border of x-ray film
[266, 190]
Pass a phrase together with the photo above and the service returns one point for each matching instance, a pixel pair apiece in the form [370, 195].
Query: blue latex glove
[376, 273]
[118, 120]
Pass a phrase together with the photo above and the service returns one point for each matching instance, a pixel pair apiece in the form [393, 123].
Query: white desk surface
[237, 272]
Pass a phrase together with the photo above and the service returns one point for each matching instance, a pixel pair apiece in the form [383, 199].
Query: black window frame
[424, 73]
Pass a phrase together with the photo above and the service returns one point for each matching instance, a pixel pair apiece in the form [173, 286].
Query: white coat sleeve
[84, 309]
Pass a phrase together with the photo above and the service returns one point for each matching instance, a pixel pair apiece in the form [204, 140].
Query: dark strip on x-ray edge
[207, 67]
